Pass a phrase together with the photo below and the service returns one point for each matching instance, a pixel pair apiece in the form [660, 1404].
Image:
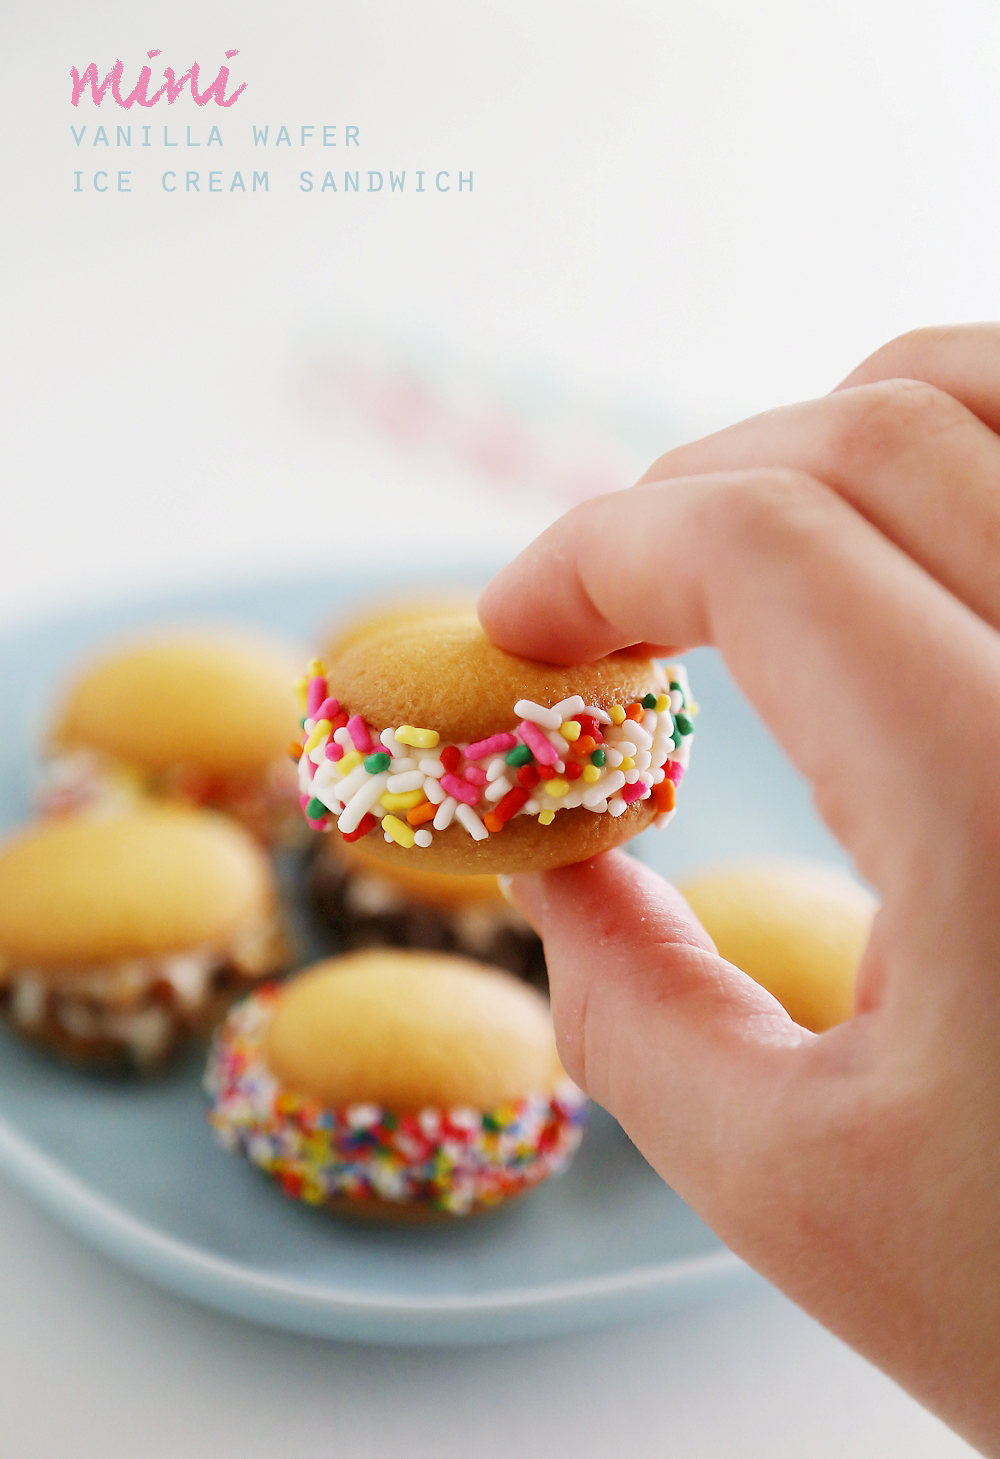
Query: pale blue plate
[133, 1169]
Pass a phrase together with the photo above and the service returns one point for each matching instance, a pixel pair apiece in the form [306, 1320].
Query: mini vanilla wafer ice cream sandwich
[123, 934]
[398, 1085]
[429, 741]
[200, 717]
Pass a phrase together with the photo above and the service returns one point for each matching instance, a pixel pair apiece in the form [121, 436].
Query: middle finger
[919, 465]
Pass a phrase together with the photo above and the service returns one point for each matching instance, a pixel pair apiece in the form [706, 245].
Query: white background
[708, 207]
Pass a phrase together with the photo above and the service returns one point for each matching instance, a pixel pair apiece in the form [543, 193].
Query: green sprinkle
[377, 762]
[648, 701]
[674, 685]
[490, 1124]
[683, 724]
[302, 722]
[315, 810]
[519, 755]
[389, 1120]
[598, 757]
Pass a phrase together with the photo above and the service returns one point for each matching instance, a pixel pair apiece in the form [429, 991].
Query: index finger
[840, 641]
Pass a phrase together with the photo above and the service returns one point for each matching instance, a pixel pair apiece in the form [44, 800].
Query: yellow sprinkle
[591, 773]
[627, 764]
[420, 739]
[316, 668]
[347, 764]
[692, 708]
[403, 800]
[662, 702]
[617, 714]
[401, 833]
[301, 688]
[570, 730]
[323, 727]
[556, 787]
[545, 818]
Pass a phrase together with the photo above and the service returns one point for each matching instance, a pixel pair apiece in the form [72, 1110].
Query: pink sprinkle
[315, 694]
[304, 800]
[329, 709]
[675, 770]
[358, 731]
[317, 825]
[333, 750]
[495, 745]
[474, 775]
[537, 743]
[629, 793]
[460, 789]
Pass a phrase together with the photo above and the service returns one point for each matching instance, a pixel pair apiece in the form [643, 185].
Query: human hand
[844, 556]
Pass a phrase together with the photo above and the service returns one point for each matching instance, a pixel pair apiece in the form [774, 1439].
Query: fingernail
[503, 882]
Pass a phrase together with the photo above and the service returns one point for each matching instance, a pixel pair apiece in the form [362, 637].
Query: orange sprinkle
[664, 795]
[421, 813]
[634, 711]
[585, 746]
[295, 749]
[492, 821]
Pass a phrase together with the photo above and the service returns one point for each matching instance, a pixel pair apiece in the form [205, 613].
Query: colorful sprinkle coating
[353, 775]
[455, 1160]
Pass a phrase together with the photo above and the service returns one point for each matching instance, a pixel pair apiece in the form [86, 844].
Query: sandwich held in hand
[471, 759]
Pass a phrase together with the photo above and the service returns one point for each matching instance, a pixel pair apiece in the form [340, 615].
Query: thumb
[687, 1052]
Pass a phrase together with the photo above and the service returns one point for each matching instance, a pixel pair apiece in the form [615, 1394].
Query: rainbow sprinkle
[356, 777]
[457, 1160]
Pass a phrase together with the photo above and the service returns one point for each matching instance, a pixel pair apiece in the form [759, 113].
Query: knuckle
[765, 505]
[879, 422]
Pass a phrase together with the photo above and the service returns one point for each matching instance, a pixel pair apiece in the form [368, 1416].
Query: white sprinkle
[496, 767]
[657, 775]
[643, 760]
[676, 701]
[596, 795]
[445, 814]
[568, 708]
[614, 782]
[613, 758]
[616, 806]
[598, 806]
[640, 737]
[304, 781]
[433, 791]
[345, 785]
[387, 838]
[343, 739]
[631, 776]
[361, 802]
[528, 709]
[388, 738]
[560, 745]
[646, 776]
[530, 807]
[402, 765]
[400, 784]
[309, 726]
[626, 747]
[362, 1116]
[498, 789]
[470, 821]
[560, 767]
[601, 715]
[422, 838]
[430, 765]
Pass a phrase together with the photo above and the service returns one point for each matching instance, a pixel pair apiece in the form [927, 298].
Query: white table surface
[708, 207]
